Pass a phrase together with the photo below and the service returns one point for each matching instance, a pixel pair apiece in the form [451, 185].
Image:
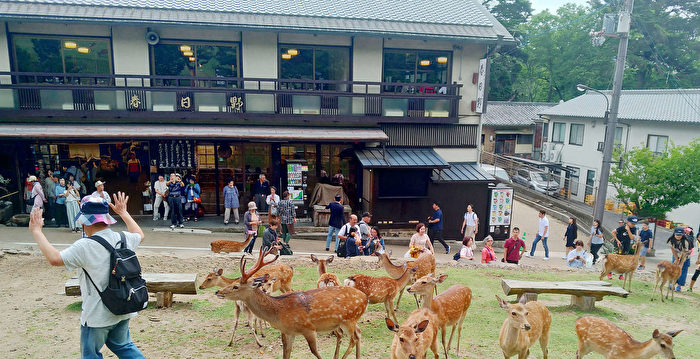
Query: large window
[576, 134]
[189, 59]
[525, 139]
[314, 63]
[61, 55]
[590, 182]
[403, 183]
[558, 132]
[574, 175]
[657, 144]
[411, 66]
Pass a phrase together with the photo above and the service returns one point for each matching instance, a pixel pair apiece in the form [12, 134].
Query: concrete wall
[457, 154]
[130, 51]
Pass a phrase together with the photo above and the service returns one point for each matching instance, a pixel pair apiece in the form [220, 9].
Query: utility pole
[623, 30]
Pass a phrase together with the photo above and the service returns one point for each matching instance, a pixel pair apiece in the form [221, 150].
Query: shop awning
[462, 172]
[394, 157]
[208, 132]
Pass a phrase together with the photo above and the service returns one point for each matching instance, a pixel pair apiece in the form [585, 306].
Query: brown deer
[302, 313]
[229, 246]
[413, 338]
[381, 289]
[450, 306]
[425, 264]
[603, 337]
[325, 279]
[625, 264]
[667, 272]
[525, 323]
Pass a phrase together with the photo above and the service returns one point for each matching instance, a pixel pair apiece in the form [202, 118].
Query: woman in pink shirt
[487, 253]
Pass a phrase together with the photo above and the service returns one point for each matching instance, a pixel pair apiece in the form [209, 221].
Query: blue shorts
[643, 253]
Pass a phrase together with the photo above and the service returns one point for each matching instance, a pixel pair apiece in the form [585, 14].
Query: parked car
[497, 172]
[539, 181]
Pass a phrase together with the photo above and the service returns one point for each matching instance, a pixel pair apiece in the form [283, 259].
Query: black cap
[366, 214]
[337, 197]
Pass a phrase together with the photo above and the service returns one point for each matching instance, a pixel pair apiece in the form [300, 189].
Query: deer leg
[449, 341]
[459, 331]
[311, 340]
[287, 341]
[434, 347]
[544, 340]
[443, 334]
[389, 306]
[251, 325]
[629, 285]
[350, 328]
[661, 290]
[237, 313]
[399, 300]
[338, 337]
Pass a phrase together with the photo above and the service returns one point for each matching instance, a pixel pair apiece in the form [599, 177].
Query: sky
[552, 5]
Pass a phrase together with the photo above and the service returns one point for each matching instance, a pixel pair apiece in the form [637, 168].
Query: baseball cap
[366, 214]
[633, 219]
[678, 231]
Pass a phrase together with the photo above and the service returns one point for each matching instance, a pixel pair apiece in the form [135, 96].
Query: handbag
[197, 199]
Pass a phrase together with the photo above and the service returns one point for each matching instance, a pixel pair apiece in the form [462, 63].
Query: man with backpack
[98, 323]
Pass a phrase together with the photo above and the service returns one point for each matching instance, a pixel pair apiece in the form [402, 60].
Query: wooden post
[164, 299]
[584, 303]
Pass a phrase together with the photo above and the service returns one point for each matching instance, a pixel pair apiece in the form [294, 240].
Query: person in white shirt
[273, 201]
[160, 187]
[100, 191]
[542, 234]
[470, 225]
[577, 256]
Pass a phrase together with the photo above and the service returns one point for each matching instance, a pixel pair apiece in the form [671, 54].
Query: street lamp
[601, 195]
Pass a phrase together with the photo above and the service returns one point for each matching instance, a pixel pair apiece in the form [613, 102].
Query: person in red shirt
[512, 246]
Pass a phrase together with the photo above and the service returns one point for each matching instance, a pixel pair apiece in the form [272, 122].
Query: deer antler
[245, 275]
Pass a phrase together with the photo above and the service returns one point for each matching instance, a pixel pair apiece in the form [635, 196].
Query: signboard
[481, 86]
[296, 181]
[501, 207]
[176, 154]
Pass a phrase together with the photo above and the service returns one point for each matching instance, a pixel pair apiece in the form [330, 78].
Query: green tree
[655, 183]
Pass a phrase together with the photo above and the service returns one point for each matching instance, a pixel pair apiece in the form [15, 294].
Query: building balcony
[138, 97]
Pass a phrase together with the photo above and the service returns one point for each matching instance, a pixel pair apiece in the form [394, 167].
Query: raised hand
[36, 220]
[120, 201]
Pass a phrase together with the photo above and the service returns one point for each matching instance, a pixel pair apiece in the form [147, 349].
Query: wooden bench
[584, 294]
[164, 285]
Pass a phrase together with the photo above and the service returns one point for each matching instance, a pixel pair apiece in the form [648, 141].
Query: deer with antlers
[625, 264]
[302, 313]
[525, 323]
[601, 336]
[325, 279]
[667, 272]
[229, 246]
[425, 263]
[413, 338]
[450, 306]
[381, 289]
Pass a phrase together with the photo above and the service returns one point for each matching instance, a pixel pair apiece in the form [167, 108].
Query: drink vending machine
[500, 212]
[297, 172]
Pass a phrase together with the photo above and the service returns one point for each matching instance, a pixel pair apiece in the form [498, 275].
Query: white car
[497, 172]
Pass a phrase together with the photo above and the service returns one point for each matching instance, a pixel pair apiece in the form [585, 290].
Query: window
[545, 131]
[618, 135]
[657, 144]
[576, 134]
[558, 132]
[61, 55]
[314, 63]
[524, 139]
[205, 156]
[188, 59]
[573, 180]
[590, 182]
[393, 183]
[411, 66]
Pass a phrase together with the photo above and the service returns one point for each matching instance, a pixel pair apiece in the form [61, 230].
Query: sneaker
[182, 226]
[155, 219]
[678, 288]
[640, 267]
[225, 223]
[609, 275]
[563, 257]
[172, 226]
[690, 289]
[621, 277]
[545, 258]
[447, 250]
[327, 249]
[529, 255]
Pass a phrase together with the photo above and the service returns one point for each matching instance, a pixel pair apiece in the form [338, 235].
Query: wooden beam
[177, 283]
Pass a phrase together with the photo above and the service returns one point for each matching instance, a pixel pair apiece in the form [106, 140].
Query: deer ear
[421, 326]
[220, 271]
[390, 324]
[523, 300]
[674, 333]
[330, 259]
[313, 258]
[442, 278]
[502, 303]
[655, 334]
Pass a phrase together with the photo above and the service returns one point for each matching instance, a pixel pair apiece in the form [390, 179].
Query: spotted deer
[450, 306]
[304, 312]
[425, 263]
[414, 336]
[601, 336]
[282, 275]
[381, 289]
[229, 246]
[624, 264]
[325, 279]
[667, 272]
[525, 323]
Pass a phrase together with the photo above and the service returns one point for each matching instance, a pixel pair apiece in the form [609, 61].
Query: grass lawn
[636, 314]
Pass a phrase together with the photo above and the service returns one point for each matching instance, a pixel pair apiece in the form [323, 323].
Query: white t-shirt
[471, 218]
[160, 187]
[87, 254]
[104, 195]
[345, 230]
[544, 222]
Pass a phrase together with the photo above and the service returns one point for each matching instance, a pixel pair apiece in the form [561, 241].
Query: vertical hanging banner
[176, 154]
[481, 84]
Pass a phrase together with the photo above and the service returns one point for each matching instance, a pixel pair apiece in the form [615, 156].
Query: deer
[229, 246]
[281, 281]
[325, 279]
[625, 264]
[425, 264]
[667, 272]
[381, 289]
[601, 336]
[306, 313]
[413, 338]
[450, 306]
[525, 323]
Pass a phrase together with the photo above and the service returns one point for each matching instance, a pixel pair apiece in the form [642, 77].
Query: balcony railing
[61, 94]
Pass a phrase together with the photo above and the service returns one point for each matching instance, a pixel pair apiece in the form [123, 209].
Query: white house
[575, 132]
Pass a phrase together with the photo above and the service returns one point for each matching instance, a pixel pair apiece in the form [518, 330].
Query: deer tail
[350, 281]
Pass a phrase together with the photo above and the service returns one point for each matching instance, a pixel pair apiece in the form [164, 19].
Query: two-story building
[513, 128]
[647, 118]
[379, 92]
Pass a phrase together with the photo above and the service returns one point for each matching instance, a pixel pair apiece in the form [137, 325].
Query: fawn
[413, 338]
[381, 289]
[450, 306]
[624, 264]
[667, 272]
[525, 323]
[229, 246]
[425, 264]
[325, 279]
[601, 336]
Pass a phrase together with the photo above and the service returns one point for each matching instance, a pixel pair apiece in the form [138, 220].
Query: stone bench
[583, 294]
[164, 285]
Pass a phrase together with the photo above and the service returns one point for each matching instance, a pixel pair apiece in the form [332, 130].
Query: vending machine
[297, 172]
[500, 212]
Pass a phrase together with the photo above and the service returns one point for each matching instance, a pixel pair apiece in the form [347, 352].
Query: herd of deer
[336, 308]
